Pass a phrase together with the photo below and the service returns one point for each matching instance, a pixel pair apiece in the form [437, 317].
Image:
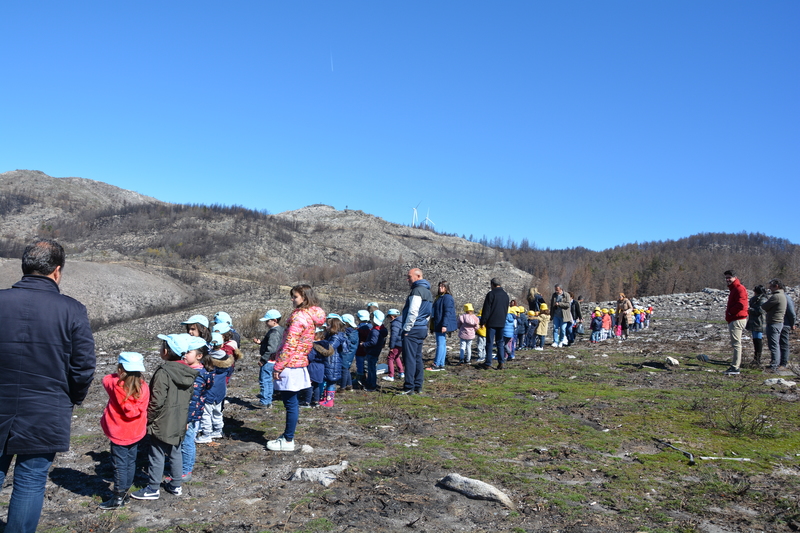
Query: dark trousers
[491, 335]
[124, 460]
[412, 358]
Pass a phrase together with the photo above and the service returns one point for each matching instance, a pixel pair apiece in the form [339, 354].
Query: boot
[116, 501]
[329, 395]
[758, 346]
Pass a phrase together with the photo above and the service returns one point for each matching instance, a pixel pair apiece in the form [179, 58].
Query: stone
[476, 489]
[324, 476]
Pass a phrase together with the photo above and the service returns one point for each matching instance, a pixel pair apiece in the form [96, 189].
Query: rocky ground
[240, 486]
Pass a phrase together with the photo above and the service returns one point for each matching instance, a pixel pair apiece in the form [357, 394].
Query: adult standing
[291, 362]
[624, 311]
[775, 307]
[493, 316]
[48, 361]
[736, 317]
[416, 315]
[534, 299]
[756, 318]
[559, 307]
[444, 322]
[788, 326]
[577, 317]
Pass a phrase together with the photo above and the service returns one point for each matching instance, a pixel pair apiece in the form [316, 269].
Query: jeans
[481, 349]
[465, 353]
[372, 369]
[559, 330]
[412, 358]
[188, 446]
[124, 460]
[570, 332]
[510, 346]
[267, 385]
[735, 329]
[292, 406]
[360, 364]
[441, 349]
[774, 343]
[347, 362]
[27, 495]
[784, 345]
[491, 335]
[159, 450]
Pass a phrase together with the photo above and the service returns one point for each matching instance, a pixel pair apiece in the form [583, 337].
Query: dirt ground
[239, 486]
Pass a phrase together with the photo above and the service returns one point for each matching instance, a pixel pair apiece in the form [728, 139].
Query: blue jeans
[559, 330]
[265, 380]
[441, 349]
[188, 446]
[27, 495]
[372, 372]
[493, 334]
[412, 358]
[124, 460]
[347, 362]
[292, 405]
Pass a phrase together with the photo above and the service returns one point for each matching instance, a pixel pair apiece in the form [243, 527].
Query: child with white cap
[197, 326]
[171, 390]
[124, 422]
[373, 347]
[351, 332]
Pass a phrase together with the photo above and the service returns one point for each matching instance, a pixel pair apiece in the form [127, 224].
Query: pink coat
[467, 323]
[298, 337]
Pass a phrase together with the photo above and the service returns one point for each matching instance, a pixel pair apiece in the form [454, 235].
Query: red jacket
[737, 302]
[124, 422]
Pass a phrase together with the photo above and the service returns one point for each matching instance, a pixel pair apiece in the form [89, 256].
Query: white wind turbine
[414, 218]
[428, 222]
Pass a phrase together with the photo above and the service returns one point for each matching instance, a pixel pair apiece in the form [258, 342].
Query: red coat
[124, 421]
[737, 302]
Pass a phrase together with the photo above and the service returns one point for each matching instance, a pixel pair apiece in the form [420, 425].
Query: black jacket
[495, 308]
[47, 363]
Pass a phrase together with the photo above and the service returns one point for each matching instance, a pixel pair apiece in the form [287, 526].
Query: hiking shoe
[732, 371]
[387, 378]
[280, 445]
[169, 487]
[145, 494]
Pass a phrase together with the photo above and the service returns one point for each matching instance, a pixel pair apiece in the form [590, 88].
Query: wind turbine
[428, 221]
[414, 218]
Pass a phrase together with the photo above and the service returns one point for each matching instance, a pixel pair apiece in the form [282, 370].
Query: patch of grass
[316, 525]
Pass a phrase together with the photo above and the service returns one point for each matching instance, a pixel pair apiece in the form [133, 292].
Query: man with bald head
[415, 317]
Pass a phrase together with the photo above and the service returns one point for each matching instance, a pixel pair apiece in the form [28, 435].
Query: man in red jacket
[736, 317]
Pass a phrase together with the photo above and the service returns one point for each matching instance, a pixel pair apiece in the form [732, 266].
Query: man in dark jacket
[493, 316]
[415, 317]
[736, 317]
[48, 361]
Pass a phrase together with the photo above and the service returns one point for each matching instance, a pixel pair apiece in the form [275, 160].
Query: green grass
[557, 431]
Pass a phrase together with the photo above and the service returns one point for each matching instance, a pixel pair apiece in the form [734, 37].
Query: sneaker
[387, 378]
[280, 445]
[408, 392]
[402, 375]
[554, 345]
[169, 487]
[203, 440]
[732, 371]
[145, 494]
[539, 349]
[184, 478]
[116, 501]
[217, 435]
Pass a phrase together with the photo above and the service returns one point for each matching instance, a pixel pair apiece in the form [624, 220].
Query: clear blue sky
[578, 123]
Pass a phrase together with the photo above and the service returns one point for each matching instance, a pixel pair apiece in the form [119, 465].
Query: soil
[239, 486]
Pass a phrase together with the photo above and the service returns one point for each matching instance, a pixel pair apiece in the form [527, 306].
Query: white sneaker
[539, 348]
[554, 345]
[387, 378]
[280, 445]
[402, 375]
[560, 344]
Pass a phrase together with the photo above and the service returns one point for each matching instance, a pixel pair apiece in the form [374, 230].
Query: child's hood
[225, 362]
[180, 374]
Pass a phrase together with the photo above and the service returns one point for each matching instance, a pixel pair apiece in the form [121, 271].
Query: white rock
[570, 357]
[305, 448]
[473, 488]
[671, 361]
[780, 381]
[325, 475]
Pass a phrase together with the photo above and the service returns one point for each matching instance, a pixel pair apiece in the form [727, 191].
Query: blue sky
[576, 123]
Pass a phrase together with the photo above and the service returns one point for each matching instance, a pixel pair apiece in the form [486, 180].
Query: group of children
[181, 406]
[606, 324]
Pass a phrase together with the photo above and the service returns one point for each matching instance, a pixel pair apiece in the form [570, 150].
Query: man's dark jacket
[47, 363]
[495, 308]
